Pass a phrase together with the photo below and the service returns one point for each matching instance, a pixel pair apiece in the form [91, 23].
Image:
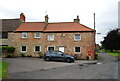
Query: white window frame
[39, 47]
[63, 47]
[49, 37]
[77, 52]
[77, 39]
[50, 46]
[23, 51]
[35, 35]
[23, 34]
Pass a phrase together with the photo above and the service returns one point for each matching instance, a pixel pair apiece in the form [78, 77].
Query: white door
[61, 49]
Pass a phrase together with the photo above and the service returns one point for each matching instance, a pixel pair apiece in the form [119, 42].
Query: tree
[112, 40]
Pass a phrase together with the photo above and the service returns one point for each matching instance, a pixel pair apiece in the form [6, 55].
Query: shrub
[29, 55]
[40, 54]
[87, 57]
[22, 54]
[8, 48]
[7, 51]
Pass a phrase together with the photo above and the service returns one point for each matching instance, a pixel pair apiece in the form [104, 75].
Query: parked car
[58, 55]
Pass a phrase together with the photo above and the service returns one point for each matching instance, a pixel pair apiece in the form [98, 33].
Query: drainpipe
[94, 37]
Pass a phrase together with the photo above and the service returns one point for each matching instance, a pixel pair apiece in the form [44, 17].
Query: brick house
[8, 26]
[71, 38]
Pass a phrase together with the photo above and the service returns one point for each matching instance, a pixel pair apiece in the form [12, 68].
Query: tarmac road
[107, 68]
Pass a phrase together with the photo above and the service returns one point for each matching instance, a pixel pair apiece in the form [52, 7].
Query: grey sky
[65, 11]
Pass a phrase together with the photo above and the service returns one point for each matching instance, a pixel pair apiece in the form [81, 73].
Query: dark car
[58, 56]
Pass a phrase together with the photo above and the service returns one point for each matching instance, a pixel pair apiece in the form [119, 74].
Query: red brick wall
[86, 43]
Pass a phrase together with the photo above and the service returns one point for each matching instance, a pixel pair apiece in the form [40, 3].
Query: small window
[4, 35]
[50, 37]
[77, 37]
[37, 48]
[24, 34]
[50, 48]
[77, 50]
[23, 49]
[37, 35]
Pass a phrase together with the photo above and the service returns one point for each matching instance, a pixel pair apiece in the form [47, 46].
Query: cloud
[65, 11]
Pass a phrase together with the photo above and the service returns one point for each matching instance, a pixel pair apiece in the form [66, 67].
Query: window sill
[77, 40]
[77, 52]
[36, 37]
[51, 40]
[36, 51]
[23, 51]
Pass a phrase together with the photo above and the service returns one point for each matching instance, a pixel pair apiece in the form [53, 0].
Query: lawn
[114, 54]
[3, 69]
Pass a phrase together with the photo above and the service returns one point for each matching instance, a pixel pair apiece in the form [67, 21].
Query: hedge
[9, 49]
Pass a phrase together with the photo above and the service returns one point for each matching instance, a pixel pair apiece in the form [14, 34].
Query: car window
[59, 52]
[52, 52]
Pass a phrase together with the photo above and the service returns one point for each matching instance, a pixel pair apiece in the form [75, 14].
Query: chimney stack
[22, 17]
[46, 19]
[77, 20]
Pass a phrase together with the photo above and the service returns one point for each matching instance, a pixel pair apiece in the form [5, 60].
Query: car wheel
[68, 60]
[47, 58]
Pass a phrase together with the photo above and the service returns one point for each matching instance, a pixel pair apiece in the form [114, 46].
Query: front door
[61, 48]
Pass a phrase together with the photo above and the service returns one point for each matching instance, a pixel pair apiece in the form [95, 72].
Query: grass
[3, 69]
[114, 54]
[97, 51]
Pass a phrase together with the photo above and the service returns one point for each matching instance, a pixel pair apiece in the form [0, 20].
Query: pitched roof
[67, 26]
[52, 27]
[10, 24]
[31, 26]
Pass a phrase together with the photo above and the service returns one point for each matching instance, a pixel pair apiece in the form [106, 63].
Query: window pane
[24, 34]
[50, 48]
[77, 36]
[77, 49]
[37, 34]
[23, 48]
[4, 34]
[59, 52]
[50, 37]
[37, 48]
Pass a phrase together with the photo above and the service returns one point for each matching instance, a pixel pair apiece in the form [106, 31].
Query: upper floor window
[50, 37]
[77, 37]
[37, 35]
[24, 34]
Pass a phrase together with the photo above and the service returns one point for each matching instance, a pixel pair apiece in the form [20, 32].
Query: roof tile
[52, 27]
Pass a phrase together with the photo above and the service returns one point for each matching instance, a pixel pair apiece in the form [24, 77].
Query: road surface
[106, 68]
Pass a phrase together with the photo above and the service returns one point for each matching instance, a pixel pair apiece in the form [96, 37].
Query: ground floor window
[37, 48]
[51, 48]
[61, 48]
[23, 48]
[77, 50]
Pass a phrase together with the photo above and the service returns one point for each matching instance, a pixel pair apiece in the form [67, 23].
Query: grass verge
[3, 69]
[114, 54]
